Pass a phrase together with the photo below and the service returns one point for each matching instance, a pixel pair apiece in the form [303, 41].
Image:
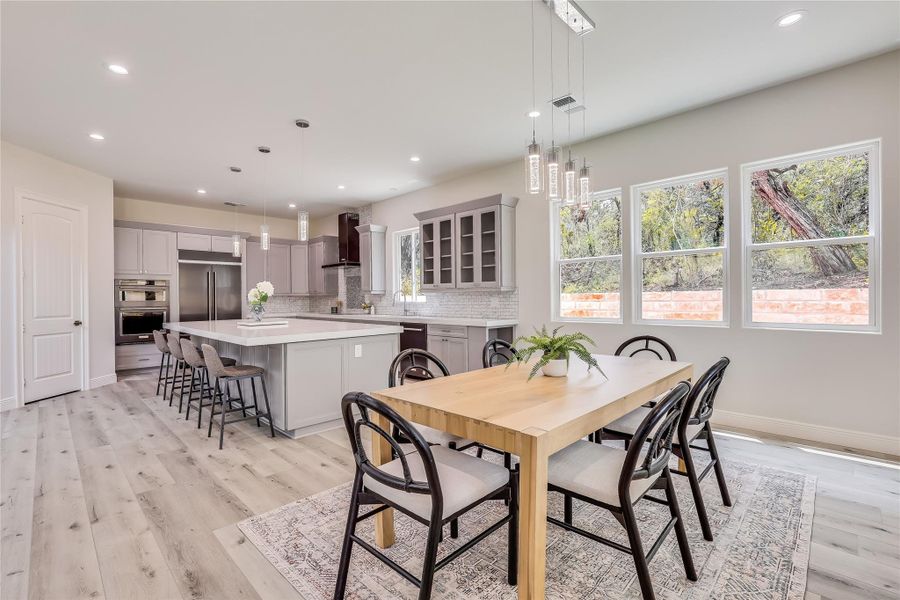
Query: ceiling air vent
[568, 104]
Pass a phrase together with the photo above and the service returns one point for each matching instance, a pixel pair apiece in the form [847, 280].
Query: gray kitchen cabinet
[372, 258]
[323, 250]
[481, 245]
[128, 252]
[158, 253]
[221, 243]
[300, 269]
[254, 265]
[452, 351]
[278, 268]
[194, 241]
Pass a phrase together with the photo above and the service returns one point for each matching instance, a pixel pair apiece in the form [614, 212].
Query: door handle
[77, 323]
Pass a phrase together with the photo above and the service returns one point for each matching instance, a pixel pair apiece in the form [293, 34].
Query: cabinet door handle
[413, 329]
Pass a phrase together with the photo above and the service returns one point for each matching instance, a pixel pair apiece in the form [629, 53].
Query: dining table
[501, 408]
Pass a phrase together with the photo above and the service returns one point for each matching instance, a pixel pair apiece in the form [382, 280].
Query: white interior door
[52, 264]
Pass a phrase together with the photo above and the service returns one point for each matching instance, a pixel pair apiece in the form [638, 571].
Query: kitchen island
[310, 364]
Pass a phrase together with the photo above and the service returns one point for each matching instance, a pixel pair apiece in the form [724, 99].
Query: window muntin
[812, 248]
[407, 264]
[680, 274]
[588, 266]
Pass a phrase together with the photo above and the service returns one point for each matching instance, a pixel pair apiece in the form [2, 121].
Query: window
[588, 262]
[680, 254]
[407, 261]
[810, 230]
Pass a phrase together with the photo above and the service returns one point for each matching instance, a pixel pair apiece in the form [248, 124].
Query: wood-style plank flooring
[111, 494]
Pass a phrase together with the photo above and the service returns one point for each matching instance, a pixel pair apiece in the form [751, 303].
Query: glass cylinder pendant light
[584, 186]
[303, 226]
[553, 173]
[534, 168]
[569, 182]
[236, 246]
[264, 228]
[264, 237]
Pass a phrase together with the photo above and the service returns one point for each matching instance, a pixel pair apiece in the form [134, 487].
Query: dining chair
[641, 344]
[692, 426]
[616, 480]
[497, 352]
[432, 485]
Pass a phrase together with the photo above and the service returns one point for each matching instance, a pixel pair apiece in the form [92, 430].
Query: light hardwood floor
[111, 494]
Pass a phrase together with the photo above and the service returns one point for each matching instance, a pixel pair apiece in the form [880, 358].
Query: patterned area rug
[761, 547]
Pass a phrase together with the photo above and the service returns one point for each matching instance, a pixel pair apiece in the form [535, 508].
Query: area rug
[761, 547]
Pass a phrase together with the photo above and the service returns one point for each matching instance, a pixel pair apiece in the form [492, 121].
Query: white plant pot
[556, 368]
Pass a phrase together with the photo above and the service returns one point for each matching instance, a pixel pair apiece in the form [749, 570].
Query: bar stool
[216, 368]
[159, 337]
[197, 366]
[174, 342]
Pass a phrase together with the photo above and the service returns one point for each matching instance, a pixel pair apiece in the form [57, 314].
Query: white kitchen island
[309, 364]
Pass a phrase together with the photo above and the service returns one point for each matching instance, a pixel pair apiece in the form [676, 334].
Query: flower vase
[257, 311]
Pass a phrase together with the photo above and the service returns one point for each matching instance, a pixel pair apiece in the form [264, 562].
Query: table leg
[532, 518]
[381, 453]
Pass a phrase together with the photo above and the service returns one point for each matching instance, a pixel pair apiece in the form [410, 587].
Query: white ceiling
[379, 81]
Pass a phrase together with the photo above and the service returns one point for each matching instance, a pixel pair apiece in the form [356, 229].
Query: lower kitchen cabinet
[450, 344]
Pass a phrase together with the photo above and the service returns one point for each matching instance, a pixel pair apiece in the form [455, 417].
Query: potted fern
[555, 349]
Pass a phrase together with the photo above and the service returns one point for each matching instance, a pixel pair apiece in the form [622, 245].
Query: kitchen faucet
[394, 302]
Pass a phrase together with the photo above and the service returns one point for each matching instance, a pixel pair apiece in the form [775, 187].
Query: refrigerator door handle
[208, 292]
[215, 299]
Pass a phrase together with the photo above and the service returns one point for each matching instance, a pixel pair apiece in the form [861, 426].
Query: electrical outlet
[357, 351]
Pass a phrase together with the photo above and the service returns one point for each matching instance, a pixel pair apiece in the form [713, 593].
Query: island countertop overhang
[296, 330]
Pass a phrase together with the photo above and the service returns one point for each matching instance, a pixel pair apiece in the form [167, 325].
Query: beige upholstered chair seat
[628, 424]
[464, 480]
[593, 470]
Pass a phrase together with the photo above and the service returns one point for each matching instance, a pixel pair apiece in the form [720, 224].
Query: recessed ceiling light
[117, 69]
[96, 136]
[534, 114]
[414, 158]
[292, 206]
[234, 169]
[791, 18]
[341, 187]
[201, 191]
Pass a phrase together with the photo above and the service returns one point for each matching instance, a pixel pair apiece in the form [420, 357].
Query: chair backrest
[699, 406]
[159, 337]
[657, 428]
[497, 352]
[191, 354]
[174, 341]
[648, 344]
[355, 421]
[415, 364]
[214, 366]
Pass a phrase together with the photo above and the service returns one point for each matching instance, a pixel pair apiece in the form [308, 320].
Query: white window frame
[417, 296]
[556, 261]
[873, 147]
[638, 255]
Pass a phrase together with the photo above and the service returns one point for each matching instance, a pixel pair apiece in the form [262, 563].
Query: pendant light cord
[550, 15]
[533, 93]
[569, 80]
[583, 100]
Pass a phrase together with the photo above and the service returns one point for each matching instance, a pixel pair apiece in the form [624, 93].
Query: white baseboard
[848, 438]
[102, 380]
[7, 403]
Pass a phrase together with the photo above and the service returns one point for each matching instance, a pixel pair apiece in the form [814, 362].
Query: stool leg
[241, 397]
[255, 405]
[204, 385]
[212, 407]
[222, 415]
[187, 411]
[190, 387]
[262, 380]
[162, 359]
[166, 378]
[174, 379]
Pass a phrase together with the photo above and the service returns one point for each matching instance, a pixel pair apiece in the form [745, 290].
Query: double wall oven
[142, 305]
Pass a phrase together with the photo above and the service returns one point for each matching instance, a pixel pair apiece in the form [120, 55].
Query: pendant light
[569, 191]
[584, 175]
[264, 228]
[554, 189]
[533, 160]
[235, 238]
[302, 215]
[569, 179]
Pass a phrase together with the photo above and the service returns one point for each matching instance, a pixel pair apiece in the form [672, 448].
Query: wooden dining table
[500, 408]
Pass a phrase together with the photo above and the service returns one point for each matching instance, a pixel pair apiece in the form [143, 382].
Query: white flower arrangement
[260, 294]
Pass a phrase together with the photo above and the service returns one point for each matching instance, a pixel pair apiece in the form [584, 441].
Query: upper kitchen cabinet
[144, 252]
[371, 258]
[323, 250]
[300, 269]
[481, 245]
[194, 241]
[254, 265]
[273, 266]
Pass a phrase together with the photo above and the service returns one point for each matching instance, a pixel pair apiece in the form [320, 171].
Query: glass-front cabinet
[469, 245]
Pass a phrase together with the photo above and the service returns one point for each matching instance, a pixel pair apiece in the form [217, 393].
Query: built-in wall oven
[142, 305]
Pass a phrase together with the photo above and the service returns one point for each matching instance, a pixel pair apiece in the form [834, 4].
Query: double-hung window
[588, 259]
[407, 264]
[680, 249]
[811, 239]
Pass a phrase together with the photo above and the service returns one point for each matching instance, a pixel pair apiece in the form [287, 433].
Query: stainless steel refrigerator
[208, 291]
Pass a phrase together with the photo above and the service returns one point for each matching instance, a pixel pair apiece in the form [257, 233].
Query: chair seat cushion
[438, 437]
[464, 479]
[241, 370]
[628, 424]
[593, 470]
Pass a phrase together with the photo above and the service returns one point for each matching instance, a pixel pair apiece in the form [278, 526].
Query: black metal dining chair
[616, 480]
[497, 352]
[432, 485]
[692, 426]
[647, 346]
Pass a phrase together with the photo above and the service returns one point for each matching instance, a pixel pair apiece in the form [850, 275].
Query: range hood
[348, 241]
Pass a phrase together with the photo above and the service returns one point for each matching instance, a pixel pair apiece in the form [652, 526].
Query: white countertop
[297, 330]
[409, 319]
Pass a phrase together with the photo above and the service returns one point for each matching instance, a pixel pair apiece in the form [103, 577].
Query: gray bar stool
[216, 368]
[159, 337]
[197, 366]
